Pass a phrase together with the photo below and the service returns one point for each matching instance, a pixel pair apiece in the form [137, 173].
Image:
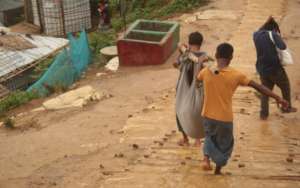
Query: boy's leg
[218, 170]
[218, 143]
[185, 140]
[282, 81]
[266, 81]
[206, 163]
[197, 142]
[208, 128]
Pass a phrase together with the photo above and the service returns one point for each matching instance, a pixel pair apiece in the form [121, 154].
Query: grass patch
[16, 99]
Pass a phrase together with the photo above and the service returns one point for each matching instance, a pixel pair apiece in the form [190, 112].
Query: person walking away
[217, 109]
[268, 65]
[195, 40]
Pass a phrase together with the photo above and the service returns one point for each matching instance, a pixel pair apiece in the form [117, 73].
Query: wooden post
[63, 17]
[39, 8]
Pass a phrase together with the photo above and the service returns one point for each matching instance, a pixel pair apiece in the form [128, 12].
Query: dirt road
[93, 147]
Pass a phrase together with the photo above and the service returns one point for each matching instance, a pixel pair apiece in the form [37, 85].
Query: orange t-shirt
[218, 92]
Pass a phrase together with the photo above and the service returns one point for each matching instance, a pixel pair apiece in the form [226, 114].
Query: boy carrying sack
[189, 96]
[217, 109]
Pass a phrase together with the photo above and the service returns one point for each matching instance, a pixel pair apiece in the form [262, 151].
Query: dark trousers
[279, 79]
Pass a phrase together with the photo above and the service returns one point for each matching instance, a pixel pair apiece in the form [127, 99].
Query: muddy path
[129, 140]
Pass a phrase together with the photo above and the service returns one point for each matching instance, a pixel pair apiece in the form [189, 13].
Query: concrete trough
[148, 42]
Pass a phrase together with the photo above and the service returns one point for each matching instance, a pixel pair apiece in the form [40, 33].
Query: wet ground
[129, 140]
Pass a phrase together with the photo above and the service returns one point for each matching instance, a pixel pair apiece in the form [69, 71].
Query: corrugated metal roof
[11, 61]
[10, 4]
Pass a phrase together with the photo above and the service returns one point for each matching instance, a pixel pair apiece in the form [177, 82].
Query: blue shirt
[267, 58]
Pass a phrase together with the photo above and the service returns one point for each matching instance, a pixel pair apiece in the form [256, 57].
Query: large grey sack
[189, 100]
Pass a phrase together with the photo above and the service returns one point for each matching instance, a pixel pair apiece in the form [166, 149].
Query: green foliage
[150, 9]
[99, 40]
[16, 99]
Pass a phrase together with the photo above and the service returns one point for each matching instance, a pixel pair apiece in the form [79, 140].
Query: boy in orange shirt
[217, 109]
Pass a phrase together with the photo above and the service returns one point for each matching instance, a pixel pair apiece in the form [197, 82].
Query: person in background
[268, 65]
[217, 109]
[105, 17]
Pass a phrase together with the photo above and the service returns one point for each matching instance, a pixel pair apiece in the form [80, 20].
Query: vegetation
[98, 41]
[154, 9]
[137, 9]
[16, 99]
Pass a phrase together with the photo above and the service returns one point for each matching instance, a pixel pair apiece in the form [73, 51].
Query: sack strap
[271, 37]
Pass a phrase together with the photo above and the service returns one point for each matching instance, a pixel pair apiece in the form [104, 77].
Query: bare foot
[218, 170]
[197, 143]
[206, 164]
[183, 142]
[289, 110]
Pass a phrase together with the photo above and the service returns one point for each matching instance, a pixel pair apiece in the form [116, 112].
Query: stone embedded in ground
[135, 146]
[106, 173]
[120, 155]
[291, 155]
[101, 74]
[289, 160]
[74, 98]
[113, 64]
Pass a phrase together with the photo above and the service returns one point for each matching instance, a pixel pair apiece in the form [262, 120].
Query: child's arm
[264, 90]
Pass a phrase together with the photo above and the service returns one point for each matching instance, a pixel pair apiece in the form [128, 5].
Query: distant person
[105, 17]
[268, 65]
[217, 109]
[187, 72]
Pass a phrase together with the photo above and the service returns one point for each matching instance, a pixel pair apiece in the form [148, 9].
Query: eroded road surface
[129, 140]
